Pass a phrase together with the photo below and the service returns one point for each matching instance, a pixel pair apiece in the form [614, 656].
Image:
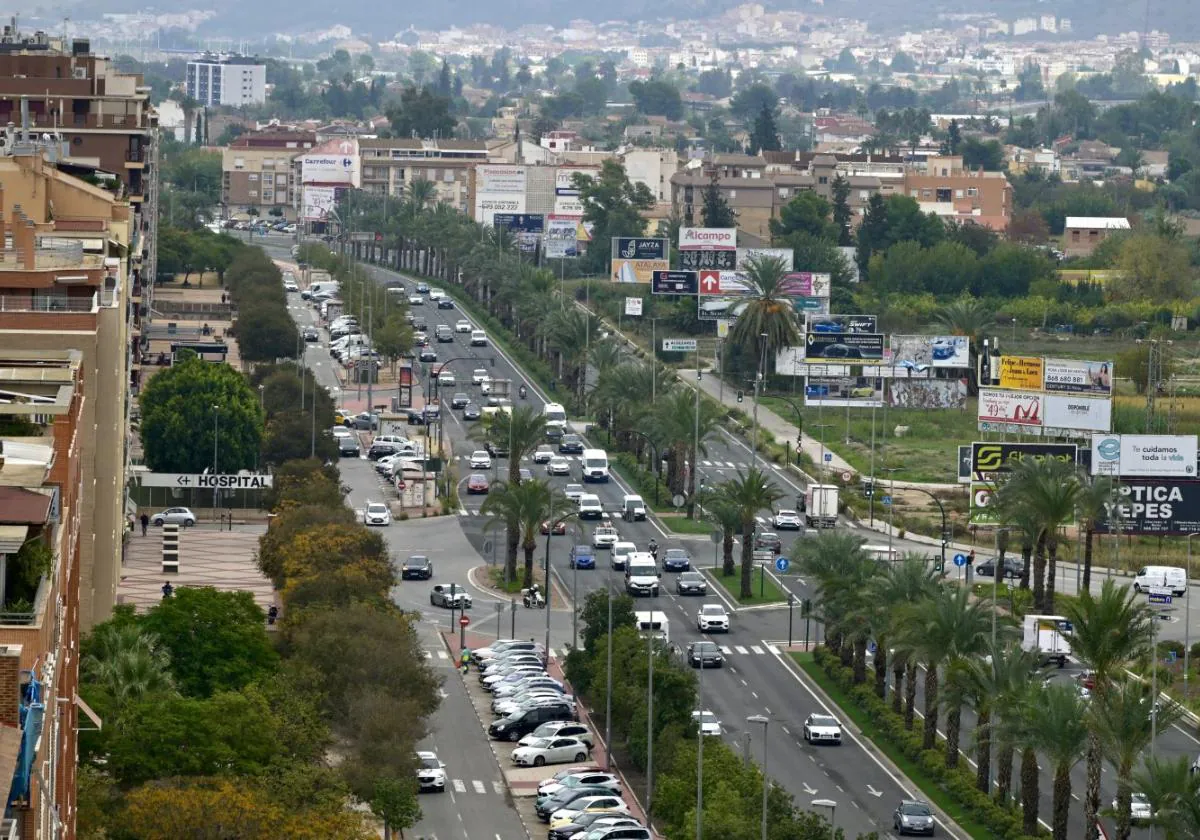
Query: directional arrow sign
[710, 282]
[208, 481]
[183, 480]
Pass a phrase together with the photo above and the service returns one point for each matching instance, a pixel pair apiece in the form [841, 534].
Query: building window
[944, 195]
[958, 193]
[252, 178]
[865, 195]
[252, 193]
[972, 191]
[783, 193]
[823, 179]
[926, 193]
[239, 163]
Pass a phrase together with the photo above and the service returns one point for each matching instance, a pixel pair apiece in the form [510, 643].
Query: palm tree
[1174, 794]
[1016, 728]
[419, 194]
[727, 519]
[768, 312]
[834, 560]
[518, 430]
[1057, 725]
[569, 332]
[128, 662]
[1093, 503]
[996, 682]
[907, 581]
[676, 425]
[526, 505]
[1108, 631]
[749, 493]
[968, 317]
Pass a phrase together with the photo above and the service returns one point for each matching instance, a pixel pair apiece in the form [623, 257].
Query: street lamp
[700, 754]
[608, 684]
[758, 381]
[216, 444]
[799, 424]
[649, 724]
[763, 721]
[1187, 622]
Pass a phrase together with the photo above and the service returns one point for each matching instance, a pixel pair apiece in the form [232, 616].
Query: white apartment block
[230, 80]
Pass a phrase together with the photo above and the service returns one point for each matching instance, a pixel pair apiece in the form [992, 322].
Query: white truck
[1046, 635]
[821, 505]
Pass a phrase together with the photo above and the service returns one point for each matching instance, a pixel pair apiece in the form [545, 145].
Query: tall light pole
[758, 379]
[1187, 622]
[700, 755]
[821, 427]
[891, 471]
[608, 683]
[997, 571]
[764, 722]
[649, 725]
[216, 450]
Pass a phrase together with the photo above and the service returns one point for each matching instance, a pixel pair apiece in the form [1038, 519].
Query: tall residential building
[226, 80]
[257, 172]
[389, 166]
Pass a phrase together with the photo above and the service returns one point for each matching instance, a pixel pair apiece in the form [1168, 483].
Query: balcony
[53, 304]
[135, 159]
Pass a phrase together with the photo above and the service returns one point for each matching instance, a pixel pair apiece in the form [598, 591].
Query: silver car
[174, 516]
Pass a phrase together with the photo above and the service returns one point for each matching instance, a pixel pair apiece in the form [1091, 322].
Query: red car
[560, 528]
[477, 483]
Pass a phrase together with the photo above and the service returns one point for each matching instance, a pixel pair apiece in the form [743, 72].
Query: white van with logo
[595, 465]
[1161, 577]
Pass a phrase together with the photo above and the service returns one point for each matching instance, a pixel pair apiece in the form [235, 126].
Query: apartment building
[104, 116]
[233, 80]
[73, 260]
[42, 440]
[258, 172]
[389, 166]
[944, 187]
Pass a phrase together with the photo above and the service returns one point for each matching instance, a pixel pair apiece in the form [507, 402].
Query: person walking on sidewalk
[465, 657]
[145, 523]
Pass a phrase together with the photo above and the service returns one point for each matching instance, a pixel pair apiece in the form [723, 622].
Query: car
[616, 826]
[459, 400]
[525, 682]
[463, 326]
[478, 338]
[447, 379]
[691, 583]
[571, 445]
[496, 450]
[862, 391]
[944, 348]
[620, 554]
[378, 451]
[766, 541]
[477, 483]
[543, 751]
[567, 729]
[1139, 808]
[445, 303]
[516, 726]
[912, 816]
[544, 806]
[559, 777]
[573, 492]
[822, 729]
[676, 560]
[707, 722]
[590, 507]
[290, 286]
[560, 527]
[431, 773]
[416, 567]
[1011, 569]
[416, 300]
[705, 654]
[712, 618]
[605, 536]
[377, 513]
[472, 412]
[505, 680]
[543, 455]
[436, 294]
[312, 334]
[427, 354]
[527, 699]
[364, 421]
[480, 460]
[479, 375]
[443, 334]
[174, 516]
[485, 386]
[582, 557]
[558, 465]
[606, 803]
[450, 595]
[787, 520]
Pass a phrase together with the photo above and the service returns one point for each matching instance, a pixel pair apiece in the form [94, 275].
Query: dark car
[705, 655]
[380, 450]
[348, 447]
[496, 450]
[842, 351]
[1012, 568]
[312, 334]
[676, 560]
[471, 412]
[554, 433]
[691, 583]
[766, 541]
[445, 303]
[571, 445]
[460, 400]
[428, 354]
[582, 557]
[417, 567]
[419, 323]
[519, 724]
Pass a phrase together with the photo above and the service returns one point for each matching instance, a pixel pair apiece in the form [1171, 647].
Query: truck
[821, 505]
[1046, 635]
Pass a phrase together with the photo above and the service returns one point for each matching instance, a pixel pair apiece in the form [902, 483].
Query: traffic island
[765, 592]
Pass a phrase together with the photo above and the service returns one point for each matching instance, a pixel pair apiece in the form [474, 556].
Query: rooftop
[1098, 222]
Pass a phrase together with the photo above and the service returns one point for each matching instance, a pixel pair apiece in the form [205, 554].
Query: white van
[595, 465]
[478, 338]
[555, 415]
[654, 624]
[641, 574]
[1161, 577]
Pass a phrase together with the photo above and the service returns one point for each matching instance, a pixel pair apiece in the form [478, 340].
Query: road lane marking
[498, 789]
[740, 649]
[478, 785]
[459, 786]
[756, 649]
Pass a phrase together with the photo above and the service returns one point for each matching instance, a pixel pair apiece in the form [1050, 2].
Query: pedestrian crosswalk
[477, 786]
[749, 650]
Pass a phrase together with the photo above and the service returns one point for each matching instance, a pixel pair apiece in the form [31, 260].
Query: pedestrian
[466, 661]
[272, 614]
[145, 519]
[167, 590]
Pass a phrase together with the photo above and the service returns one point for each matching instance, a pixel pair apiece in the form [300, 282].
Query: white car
[558, 465]
[431, 773]
[707, 722]
[550, 751]
[480, 460]
[561, 729]
[463, 326]
[290, 286]
[416, 300]
[543, 455]
[786, 520]
[822, 729]
[608, 804]
[478, 375]
[377, 513]
[478, 338]
[620, 554]
[1139, 808]
[174, 516]
[574, 492]
[436, 294]
[712, 618]
[605, 536]
[590, 507]
[447, 380]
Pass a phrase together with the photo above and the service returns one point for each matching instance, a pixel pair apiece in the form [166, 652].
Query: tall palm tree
[728, 521]
[749, 493]
[1108, 631]
[834, 560]
[1093, 503]
[518, 430]
[1016, 728]
[1057, 725]
[527, 504]
[128, 662]
[682, 434]
[908, 581]
[996, 683]
[420, 194]
[768, 312]
[569, 332]
[1174, 794]
[967, 317]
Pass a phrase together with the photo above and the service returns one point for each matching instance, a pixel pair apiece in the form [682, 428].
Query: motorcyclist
[653, 548]
[521, 391]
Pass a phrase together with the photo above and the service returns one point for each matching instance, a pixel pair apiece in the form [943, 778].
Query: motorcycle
[533, 599]
[521, 392]
[653, 549]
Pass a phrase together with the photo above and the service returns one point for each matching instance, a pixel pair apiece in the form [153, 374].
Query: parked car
[416, 567]
[517, 726]
[174, 516]
[568, 729]
[545, 751]
[450, 595]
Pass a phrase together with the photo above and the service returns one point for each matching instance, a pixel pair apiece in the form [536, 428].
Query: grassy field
[680, 524]
[765, 590]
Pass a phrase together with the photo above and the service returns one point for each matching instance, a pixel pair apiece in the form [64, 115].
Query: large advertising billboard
[318, 202]
[927, 393]
[981, 511]
[988, 458]
[784, 255]
[332, 163]
[1021, 373]
[842, 323]
[1154, 506]
[805, 284]
[790, 361]
[859, 391]
[916, 354]
[1013, 408]
[708, 260]
[498, 189]
[635, 259]
[846, 348]
[564, 179]
[558, 241]
[1074, 414]
[708, 239]
[1160, 456]
[526, 227]
[1078, 377]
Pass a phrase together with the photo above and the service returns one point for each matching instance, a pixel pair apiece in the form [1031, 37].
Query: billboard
[635, 259]
[1078, 377]
[1072, 413]
[990, 458]
[558, 241]
[805, 284]
[708, 239]
[1021, 373]
[981, 498]
[1154, 506]
[928, 393]
[507, 180]
[916, 354]
[842, 323]
[745, 255]
[861, 391]
[487, 205]
[568, 206]
[847, 348]
[1160, 456]
[332, 163]
[564, 179]
[1014, 408]
[715, 260]
[674, 283]
[318, 202]
[724, 284]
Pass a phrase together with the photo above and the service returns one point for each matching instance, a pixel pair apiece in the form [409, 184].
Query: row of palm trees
[967, 653]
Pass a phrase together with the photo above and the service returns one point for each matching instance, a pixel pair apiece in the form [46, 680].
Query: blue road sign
[960, 559]
[887, 500]
[781, 564]
[828, 457]
[1157, 598]
[871, 646]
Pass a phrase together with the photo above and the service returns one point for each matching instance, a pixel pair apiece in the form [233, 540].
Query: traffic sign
[679, 345]
[846, 476]
[1159, 595]
[828, 457]
[716, 537]
[679, 500]
[208, 481]
[674, 283]
[464, 621]
[781, 565]
[887, 501]
[960, 559]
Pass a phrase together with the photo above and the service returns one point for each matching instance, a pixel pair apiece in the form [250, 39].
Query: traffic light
[740, 395]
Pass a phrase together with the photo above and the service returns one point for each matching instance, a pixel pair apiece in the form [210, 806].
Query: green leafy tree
[982, 154]
[178, 430]
[394, 801]
[806, 213]
[657, 97]
[421, 113]
[748, 102]
[842, 214]
[613, 206]
[749, 493]
[594, 616]
[768, 313]
[523, 507]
